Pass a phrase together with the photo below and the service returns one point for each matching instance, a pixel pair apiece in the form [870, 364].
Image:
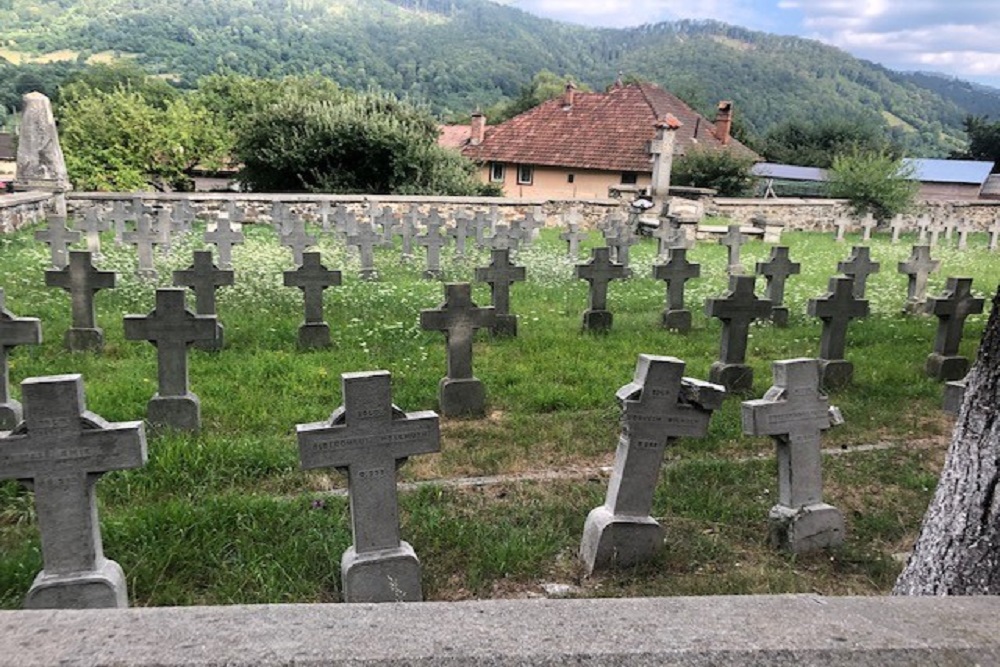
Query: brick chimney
[662, 150]
[724, 121]
[478, 128]
[570, 96]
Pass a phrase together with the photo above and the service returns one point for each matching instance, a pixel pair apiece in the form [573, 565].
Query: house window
[525, 174]
[497, 172]
[570, 178]
[629, 178]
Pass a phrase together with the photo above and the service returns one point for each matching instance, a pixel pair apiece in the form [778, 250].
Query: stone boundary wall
[638, 632]
[258, 206]
[822, 214]
[22, 209]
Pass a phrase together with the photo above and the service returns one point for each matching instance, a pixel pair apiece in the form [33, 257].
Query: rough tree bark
[958, 551]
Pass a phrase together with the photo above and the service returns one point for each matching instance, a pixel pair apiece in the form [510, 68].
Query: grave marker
[459, 392]
[868, 226]
[365, 239]
[369, 438]
[82, 280]
[795, 414]
[897, 226]
[163, 229]
[64, 449]
[599, 270]
[842, 225]
[734, 240]
[91, 225]
[995, 235]
[460, 232]
[433, 240]
[776, 270]
[118, 217]
[858, 267]
[312, 278]
[923, 224]
[58, 237]
[836, 308]
[963, 234]
[295, 238]
[936, 228]
[143, 238]
[480, 223]
[659, 406]
[171, 327]
[676, 271]
[572, 236]
[737, 308]
[503, 238]
[388, 222]
[226, 233]
[951, 308]
[182, 214]
[918, 268]
[501, 274]
[203, 277]
[408, 230]
[13, 331]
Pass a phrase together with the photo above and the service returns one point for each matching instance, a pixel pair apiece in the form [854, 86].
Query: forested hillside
[459, 54]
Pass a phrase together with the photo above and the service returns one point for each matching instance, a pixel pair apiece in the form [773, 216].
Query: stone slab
[835, 373]
[946, 368]
[389, 574]
[314, 335]
[806, 529]
[462, 397]
[640, 632]
[611, 541]
[179, 412]
[736, 378]
[103, 588]
[598, 321]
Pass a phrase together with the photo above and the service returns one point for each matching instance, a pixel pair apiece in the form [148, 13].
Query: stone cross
[995, 234]
[279, 217]
[369, 438]
[572, 236]
[64, 449]
[365, 239]
[963, 234]
[868, 226]
[734, 240]
[897, 226]
[842, 225]
[951, 308]
[936, 228]
[480, 223]
[226, 233]
[171, 327]
[323, 211]
[501, 274]
[918, 268]
[408, 230]
[599, 271]
[13, 331]
[143, 238]
[622, 241]
[203, 277]
[795, 414]
[164, 230]
[386, 220]
[433, 240]
[659, 406]
[459, 393]
[182, 214]
[858, 267]
[737, 308]
[460, 232]
[949, 225]
[776, 270]
[295, 238]
[923, 224]
[57, 236]
[312, 278]
[91, 225]
[836, 308]
[82, 280]
[668, 234]
[503, 238]
[119, 217]
[676, 271]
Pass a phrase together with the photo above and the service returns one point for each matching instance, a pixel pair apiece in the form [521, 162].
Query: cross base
[835, 373]
[597, 321]
[611, 541]
[954, 396]
[779, 316]
[178, 412]
[84, 340]
[677, 320]
[11, 415]
[945, 369]
[387, 575]
[808, 528]
[914, 307]
[213, 345]
[147, 275]
[314, 335]
[462, 398]
[368, 274]
[736, 270]
[736, 378]
[433, 274]
[101, 588]
[506, 326]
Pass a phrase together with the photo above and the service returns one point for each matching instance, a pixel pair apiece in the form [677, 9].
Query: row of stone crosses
[931, 229]
[62, 449]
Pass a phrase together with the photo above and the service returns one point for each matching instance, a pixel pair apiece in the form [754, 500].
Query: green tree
[724, 171]
[816, 144]
[873, 182]
[984, 141]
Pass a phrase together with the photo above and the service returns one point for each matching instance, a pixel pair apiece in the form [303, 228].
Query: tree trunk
[958, 551]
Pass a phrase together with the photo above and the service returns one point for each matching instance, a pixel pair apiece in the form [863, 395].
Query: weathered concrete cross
[312, 278]
[369, 438]
[859, 266]
[659, 406]
[64, 449]
[13, 331]
[91, 225]
[776, 270]
[408, 230]
[599, 270]
[365, 238]
[388, 222]
[995, 234]
[836, 308]
[951, 308]
[868, 225]
[460, 232]
[572, 236]
[120, 216]
[734, 240]
[143, 238]
[918, 268]
[433, 240]
[295, 237]
[82, 280]
[501, 274]
[676, 271]
[480, 223]
[503, 238]
[226, 233]
[795, 414]
[737, 308]
[58, 237]
[842, 225]
[171, 327]
[203, 277]
[897, 226]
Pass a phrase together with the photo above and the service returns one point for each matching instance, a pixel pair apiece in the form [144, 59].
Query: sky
[956, 37]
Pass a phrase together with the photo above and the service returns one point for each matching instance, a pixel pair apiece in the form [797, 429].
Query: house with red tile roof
[581, 144]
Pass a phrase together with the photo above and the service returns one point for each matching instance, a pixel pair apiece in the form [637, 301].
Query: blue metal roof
[788, 172]
[949, 171]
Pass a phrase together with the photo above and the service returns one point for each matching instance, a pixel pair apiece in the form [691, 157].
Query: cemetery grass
[225, 516]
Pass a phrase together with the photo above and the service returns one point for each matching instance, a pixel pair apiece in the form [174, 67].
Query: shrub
[724, 171]
[873, 182]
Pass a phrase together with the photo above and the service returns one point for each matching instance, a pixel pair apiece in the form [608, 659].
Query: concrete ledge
[748, 630]
[347, 199]
[22, 198]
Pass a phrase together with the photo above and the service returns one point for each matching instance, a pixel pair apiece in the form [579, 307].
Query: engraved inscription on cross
[859, 266]
[13, 331]
[64, 449]
[918, 268]
[369, 438]
[58, 237]
[226, 233]
[599, 271]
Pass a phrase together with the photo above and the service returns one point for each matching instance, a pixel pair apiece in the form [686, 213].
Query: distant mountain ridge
[460, 54]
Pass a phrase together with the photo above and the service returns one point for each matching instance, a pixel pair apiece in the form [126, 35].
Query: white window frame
[520, 174]
[498, 172]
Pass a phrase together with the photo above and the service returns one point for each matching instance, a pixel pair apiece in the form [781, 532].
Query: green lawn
[226, 516]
